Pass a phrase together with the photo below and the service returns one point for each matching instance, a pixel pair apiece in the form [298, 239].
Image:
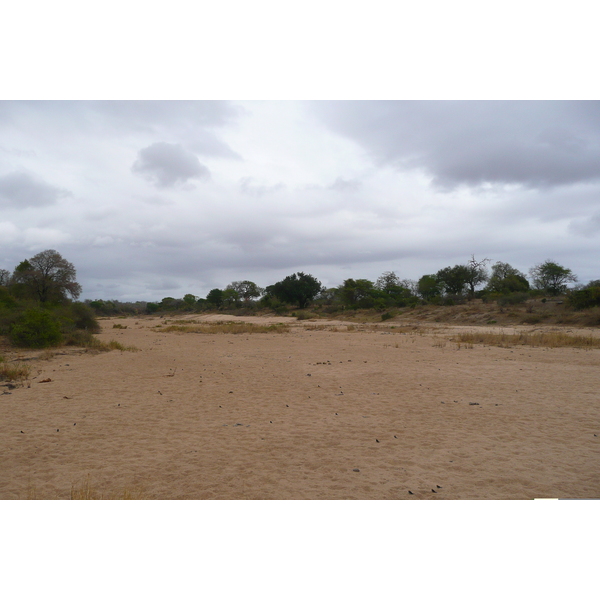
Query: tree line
[44, 289]
[451, 285]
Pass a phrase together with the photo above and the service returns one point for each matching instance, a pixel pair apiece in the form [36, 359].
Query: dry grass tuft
[86, 491]
[93, 343]
[542, 340]
[114, 345]
[47, 354]
[17, 372]
[320, 328]
[228, 327]
[84, 339]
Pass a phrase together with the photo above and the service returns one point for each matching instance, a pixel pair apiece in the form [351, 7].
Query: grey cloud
[187, 122]
[21, 189]
[534, 144]
[207, 144]
[345, 185]
[166, 165]
[248, 186]
[588, 227]
[155, 114]
[122, 116]
[18, 152]
[162, 285]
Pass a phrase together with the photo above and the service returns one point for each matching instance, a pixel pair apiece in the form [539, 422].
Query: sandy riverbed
[321, 413]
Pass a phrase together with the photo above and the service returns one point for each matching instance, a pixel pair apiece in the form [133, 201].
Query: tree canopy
[551, 277]
[298, 288]
[246, 290]
[48, 277]
[505, 279]
[454, 280]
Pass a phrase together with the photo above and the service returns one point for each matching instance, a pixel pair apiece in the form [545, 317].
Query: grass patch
[228, 327]
[119, 326]
[320, 328]
[541, 340]
[84, 339]
[304, 315]
[17, 372]
[114, 345]
[86, 491]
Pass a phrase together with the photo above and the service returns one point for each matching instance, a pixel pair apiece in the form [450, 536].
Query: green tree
[454, 279]
[398, 291]
[355, 291]
[246, 290]
[505, 279]
[298, 288]
[388, 282]
[190, 300]
[215, 297]
[170, 303]
[429, 287]
[152, 307]
[230, 297]
[551, 277]
[47, 277]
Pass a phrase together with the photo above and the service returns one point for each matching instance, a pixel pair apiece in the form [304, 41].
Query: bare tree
[48, 276]
[4, 277]
[477, 273]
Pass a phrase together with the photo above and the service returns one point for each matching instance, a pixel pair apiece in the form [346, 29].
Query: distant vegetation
[501, 285]
[39, 307]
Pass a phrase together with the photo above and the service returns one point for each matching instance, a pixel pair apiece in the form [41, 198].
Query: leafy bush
[514, 298]
[84, 318]
[585, 298]
[36, 328]
[303, 315]
[386, 316]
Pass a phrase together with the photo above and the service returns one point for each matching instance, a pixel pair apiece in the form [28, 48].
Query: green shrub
[81, 338]
[585, 298]
[386, 316]
[36, 328]
[84, 318]
[514, 298]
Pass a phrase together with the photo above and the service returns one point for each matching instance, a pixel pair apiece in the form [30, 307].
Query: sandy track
[310, 414]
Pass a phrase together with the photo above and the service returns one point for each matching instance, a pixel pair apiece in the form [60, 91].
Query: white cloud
[37, 237]
[9, 233]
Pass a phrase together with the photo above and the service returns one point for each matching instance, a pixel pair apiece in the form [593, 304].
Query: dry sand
[321, 413]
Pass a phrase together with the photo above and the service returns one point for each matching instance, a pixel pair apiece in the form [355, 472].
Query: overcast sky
[151, 199]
